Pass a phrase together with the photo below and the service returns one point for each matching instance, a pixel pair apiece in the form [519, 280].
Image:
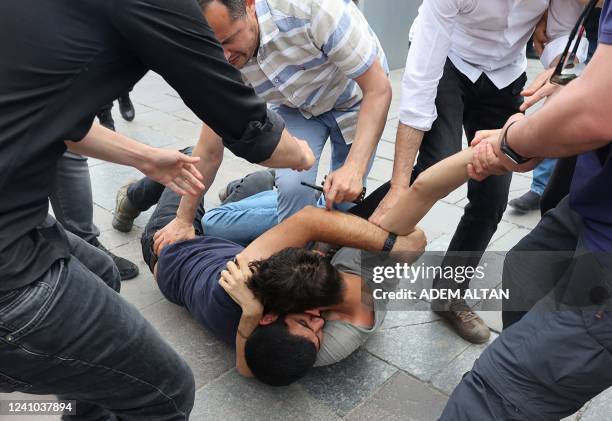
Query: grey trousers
[548, 363]
[72, 199]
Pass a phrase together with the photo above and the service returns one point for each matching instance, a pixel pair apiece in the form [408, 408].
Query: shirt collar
[267, 27]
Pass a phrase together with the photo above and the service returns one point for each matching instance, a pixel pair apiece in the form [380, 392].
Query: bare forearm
[110, 146]
[575, 120]
[313, 224]
[248, 323]
[407, 143]
[287, 154]
[210, 149]
[370, 125]
[431, 185]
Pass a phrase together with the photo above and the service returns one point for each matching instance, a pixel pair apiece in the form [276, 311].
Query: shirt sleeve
[427, 55]
[342, 33]
[562, 17]
[173, 39]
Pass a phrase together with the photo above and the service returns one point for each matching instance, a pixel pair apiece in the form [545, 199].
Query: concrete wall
[391, 20]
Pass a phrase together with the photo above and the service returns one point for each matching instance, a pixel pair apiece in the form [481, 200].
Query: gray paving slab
[361, 375]
[600, 408]
[141, 291]
[401, 398]
[421, 350]
[235, 398]
[207, 356]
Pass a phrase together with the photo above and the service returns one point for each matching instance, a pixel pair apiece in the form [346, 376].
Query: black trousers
[464, 105]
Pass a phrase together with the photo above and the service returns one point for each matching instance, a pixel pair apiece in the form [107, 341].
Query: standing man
[547, 364]
[465, 71]
[321, 67]
[63, 331]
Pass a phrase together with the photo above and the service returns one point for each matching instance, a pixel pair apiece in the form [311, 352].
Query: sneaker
[125, 211]
[528, 202]
[106, 120]
[465, 322]
[127, 269]
[126, 108]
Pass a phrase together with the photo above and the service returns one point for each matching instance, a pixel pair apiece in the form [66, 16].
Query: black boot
[106, 119]
[127, 269]
[126, 108]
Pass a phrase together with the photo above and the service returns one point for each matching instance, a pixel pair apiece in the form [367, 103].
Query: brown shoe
[125, 211]
[465, 322]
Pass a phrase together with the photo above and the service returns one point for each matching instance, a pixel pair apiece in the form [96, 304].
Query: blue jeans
[71, 334]
[541, 175]
[245, 220]
[292, 196]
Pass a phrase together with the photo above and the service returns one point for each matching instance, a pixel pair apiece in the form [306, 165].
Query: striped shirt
[309, 53]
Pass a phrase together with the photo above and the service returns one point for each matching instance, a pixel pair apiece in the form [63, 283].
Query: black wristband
[389, 242]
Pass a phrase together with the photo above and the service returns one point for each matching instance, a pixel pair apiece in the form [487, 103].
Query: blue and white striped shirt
[310, 51]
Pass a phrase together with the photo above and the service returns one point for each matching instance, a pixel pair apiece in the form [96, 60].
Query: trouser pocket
[21, 309]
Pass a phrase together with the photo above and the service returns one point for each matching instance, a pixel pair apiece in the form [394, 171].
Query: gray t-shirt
[341, 338]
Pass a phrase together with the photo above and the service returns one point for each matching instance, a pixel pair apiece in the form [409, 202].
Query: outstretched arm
[432, 185]
[313, 224]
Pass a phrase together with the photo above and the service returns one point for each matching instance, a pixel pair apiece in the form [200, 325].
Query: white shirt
[478, 36]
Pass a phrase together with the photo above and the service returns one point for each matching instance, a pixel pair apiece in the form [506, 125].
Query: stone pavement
[405, 372]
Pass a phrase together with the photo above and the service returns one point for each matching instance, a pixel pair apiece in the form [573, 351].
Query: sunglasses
[566, 62]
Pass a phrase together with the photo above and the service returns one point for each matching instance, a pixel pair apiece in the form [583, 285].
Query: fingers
[481, 135]
[537, 84]
[172, 186]
[189, 159]
[190, 177]
[532, 100]
[243, 265]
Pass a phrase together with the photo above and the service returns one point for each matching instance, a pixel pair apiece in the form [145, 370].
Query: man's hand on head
[234, 281]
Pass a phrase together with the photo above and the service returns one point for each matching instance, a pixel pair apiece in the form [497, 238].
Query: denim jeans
[245, 220]
[71, 334]
[541, 175]
[292, 196]
[72, 198]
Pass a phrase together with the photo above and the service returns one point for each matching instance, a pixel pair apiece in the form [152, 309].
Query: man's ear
[268, 319]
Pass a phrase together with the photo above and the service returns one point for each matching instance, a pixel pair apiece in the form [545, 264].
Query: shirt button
[276, 80]
[9, 338]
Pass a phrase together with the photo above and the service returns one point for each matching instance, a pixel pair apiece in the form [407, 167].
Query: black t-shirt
[60, 61]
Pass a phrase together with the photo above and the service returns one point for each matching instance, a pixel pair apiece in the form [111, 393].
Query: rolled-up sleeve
[174, 40]
[429, 49]
[341, 32]
[562, 17]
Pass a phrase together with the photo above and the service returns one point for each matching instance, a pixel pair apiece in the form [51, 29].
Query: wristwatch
[508, 151]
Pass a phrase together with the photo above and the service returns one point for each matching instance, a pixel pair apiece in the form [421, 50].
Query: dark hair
[276, 357]
[294, 280]
[237, 8]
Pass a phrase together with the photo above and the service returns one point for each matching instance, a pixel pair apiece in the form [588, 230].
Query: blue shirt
[188, 275]
[591, 190]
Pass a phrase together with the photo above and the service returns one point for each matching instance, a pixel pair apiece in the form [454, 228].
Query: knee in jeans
[111, 275]
[185, 395]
